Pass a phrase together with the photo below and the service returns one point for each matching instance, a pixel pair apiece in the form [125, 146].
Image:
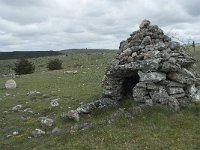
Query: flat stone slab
[151, 76]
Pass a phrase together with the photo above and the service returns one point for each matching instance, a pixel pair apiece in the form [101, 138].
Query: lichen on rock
[158, 70]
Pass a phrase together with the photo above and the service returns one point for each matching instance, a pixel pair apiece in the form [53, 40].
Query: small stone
[87, 108]
[72, 114]
[7, 94]
[15, 133]
[85, 127]
[45, 121]
[16, 108]
[146, 40]
[127, 52]
[54, 103]
[70, 72]
[145, 23]
[56, 131]
[74, 129]
[37, 133]
[134, 54]
[33, 93]
[130, 59]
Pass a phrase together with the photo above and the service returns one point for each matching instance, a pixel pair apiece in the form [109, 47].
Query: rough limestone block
[175, 90]
[151, 76]
[160, 96]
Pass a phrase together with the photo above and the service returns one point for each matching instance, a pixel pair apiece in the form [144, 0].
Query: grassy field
[155, 128]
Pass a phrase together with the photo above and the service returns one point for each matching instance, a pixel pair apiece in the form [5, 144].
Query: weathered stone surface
[151, 76]
[54, 103]
[194, 92]
[181, 78]
[10, 84]
[169, 67]
[145, 23]
[179, 95]
[139, 94]
[175, 90]
[148, 65]
[174, 104]
[45, 121]
[56, 131]
[16, 108]
[174, 84]
[37, 133]
[72, 114]
[152, 86]
[160, 96]
[159, 71]
[33, 93]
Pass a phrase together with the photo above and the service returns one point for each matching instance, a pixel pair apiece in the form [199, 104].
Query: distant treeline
[27, 54]
[89, 50]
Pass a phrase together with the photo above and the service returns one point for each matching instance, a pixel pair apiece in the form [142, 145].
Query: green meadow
[154, 128]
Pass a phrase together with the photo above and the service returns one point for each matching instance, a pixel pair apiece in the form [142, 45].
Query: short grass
[155, 128]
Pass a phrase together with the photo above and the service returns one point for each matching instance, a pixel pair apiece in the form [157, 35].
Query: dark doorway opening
[129, 83]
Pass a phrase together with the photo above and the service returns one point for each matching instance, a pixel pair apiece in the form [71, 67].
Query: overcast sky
[63, 24]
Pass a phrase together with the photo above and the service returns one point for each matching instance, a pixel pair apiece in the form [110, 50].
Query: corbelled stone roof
[157, 69]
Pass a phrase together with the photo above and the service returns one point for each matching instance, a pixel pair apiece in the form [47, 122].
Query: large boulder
[10, 84]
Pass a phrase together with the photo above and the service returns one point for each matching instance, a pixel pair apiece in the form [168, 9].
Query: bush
[23, 66]
[54, 64]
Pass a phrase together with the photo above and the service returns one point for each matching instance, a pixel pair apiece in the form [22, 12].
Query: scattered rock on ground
[70, 72]
[100, 103]
[46, 121]
[17, 108]
[54, 103]
[37, 133]
[72, 114]
[33, 93]
[15, 133]
[10, 84]
[56, 131]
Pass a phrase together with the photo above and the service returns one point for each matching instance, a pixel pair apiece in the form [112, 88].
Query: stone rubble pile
[155, 69]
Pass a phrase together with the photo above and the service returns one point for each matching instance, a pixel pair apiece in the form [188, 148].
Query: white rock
[72, 114]
[56, 131]
[15, 133]
[30, 93]
[17, 108]
[46, 121]
[38, 132]
[10, 84]
[54, 103]
[152, 76]
[70, 72]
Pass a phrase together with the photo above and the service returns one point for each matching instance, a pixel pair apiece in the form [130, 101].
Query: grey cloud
[192, 7]
[61, 24]
[21, 3]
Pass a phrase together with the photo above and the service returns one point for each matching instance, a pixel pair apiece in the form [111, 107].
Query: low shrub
[54, 64]
[23, 66]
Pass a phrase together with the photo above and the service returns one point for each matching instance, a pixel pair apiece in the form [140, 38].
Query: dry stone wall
[155, 69]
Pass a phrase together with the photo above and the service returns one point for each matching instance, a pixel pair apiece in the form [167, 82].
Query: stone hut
[153, 69]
